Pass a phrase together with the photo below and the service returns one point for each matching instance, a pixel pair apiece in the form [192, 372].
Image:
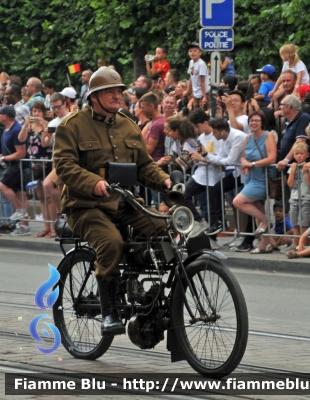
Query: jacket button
[114, 146]
[134, 144]
[111, 137]
[116, 158]
[90, 145]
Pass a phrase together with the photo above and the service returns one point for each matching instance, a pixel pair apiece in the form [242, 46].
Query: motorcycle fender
[71, 254]
[173, 347]
[216, 255]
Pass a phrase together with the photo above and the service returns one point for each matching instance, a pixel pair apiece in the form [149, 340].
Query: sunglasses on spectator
[56, 107]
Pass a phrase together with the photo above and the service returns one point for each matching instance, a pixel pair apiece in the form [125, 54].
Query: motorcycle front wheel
[77, 312]
[213, 341]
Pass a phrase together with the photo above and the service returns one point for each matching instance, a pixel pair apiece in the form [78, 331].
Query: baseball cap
[69, 92]
[8, 110]
[267, 69]
[193, 44]
[303, 90]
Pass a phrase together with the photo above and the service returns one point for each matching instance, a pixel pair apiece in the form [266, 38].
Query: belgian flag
[74, 68]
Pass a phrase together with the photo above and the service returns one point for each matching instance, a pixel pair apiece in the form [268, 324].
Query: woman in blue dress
[252, 197]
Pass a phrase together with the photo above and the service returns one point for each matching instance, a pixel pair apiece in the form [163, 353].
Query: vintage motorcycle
[168, 284]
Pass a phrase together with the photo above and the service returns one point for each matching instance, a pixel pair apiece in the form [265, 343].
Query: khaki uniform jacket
[84, 143]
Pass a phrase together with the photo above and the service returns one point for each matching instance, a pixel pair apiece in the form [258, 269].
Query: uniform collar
[102, 118]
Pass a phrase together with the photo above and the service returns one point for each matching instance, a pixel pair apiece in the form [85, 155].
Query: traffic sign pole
[217, 19]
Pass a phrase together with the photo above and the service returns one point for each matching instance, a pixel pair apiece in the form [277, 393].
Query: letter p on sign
[209, 7]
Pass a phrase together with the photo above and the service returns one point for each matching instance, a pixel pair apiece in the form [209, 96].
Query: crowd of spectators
[259, 120]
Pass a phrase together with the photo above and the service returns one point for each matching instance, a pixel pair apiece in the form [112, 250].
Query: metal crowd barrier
[268, 203]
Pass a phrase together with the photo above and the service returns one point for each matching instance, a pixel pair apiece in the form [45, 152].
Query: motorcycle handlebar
[129, 198]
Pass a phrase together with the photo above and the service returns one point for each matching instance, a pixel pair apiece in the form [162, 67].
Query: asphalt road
[277, 305]
[276, 302]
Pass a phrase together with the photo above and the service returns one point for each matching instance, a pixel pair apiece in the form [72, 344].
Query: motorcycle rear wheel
[80, 329]
[214, 348]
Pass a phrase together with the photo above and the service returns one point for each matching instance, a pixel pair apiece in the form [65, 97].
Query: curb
[275, 262]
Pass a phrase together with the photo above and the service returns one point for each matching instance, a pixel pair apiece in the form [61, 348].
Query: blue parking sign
[217, 13]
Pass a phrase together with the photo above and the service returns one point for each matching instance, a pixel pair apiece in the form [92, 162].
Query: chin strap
[97, 97]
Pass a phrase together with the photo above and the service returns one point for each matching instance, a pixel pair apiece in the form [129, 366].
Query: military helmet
[104, 78]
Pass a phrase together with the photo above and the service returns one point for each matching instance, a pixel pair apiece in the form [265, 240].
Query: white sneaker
[285, 248]
[236, 243]
[21, 230]
[214, 244]
[19, 214]
[230, 241]
[198, 228]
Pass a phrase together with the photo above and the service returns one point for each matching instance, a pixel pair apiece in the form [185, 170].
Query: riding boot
[110, 319]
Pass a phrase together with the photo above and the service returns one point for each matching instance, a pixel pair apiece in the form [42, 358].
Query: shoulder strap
[258, 148]
[261, 154]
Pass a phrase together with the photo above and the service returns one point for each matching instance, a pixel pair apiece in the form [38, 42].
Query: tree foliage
[41, 38]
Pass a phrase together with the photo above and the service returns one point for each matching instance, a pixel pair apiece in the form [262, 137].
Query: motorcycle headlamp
[182, 220]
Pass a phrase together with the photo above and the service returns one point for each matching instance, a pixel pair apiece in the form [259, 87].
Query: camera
[185, 160]
[185, 110]
[36, 120]
[51, 129]
[3, 165]
[225, 90]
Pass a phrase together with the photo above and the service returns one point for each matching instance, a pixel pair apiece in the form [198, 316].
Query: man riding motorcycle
[85, 143]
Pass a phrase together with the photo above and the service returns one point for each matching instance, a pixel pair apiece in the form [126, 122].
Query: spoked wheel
[77, 312]
[214, 339]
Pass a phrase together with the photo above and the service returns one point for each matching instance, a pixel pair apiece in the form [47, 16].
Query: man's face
[85, 77]
[47, 90]
[59, 108]
[288, 83]
[217, 134]
[110, 99]
[30, 88]
[255, 84]
[169, 105]
[201, 127]
[140, 82]
[147, 109]
[285, 108]
[8, 96]
[237, 104]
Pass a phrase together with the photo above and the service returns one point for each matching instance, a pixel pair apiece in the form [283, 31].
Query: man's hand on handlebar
[101, 189]
[168, 184]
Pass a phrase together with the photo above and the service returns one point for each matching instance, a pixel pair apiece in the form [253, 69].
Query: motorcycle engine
[144, 331]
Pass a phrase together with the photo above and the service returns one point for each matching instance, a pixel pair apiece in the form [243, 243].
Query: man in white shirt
[232, 145]
[234, 103]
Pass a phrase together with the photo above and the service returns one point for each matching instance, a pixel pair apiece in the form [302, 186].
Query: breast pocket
[132, 150]
[90, 151]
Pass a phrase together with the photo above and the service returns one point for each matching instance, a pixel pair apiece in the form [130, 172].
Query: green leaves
[49, 35]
